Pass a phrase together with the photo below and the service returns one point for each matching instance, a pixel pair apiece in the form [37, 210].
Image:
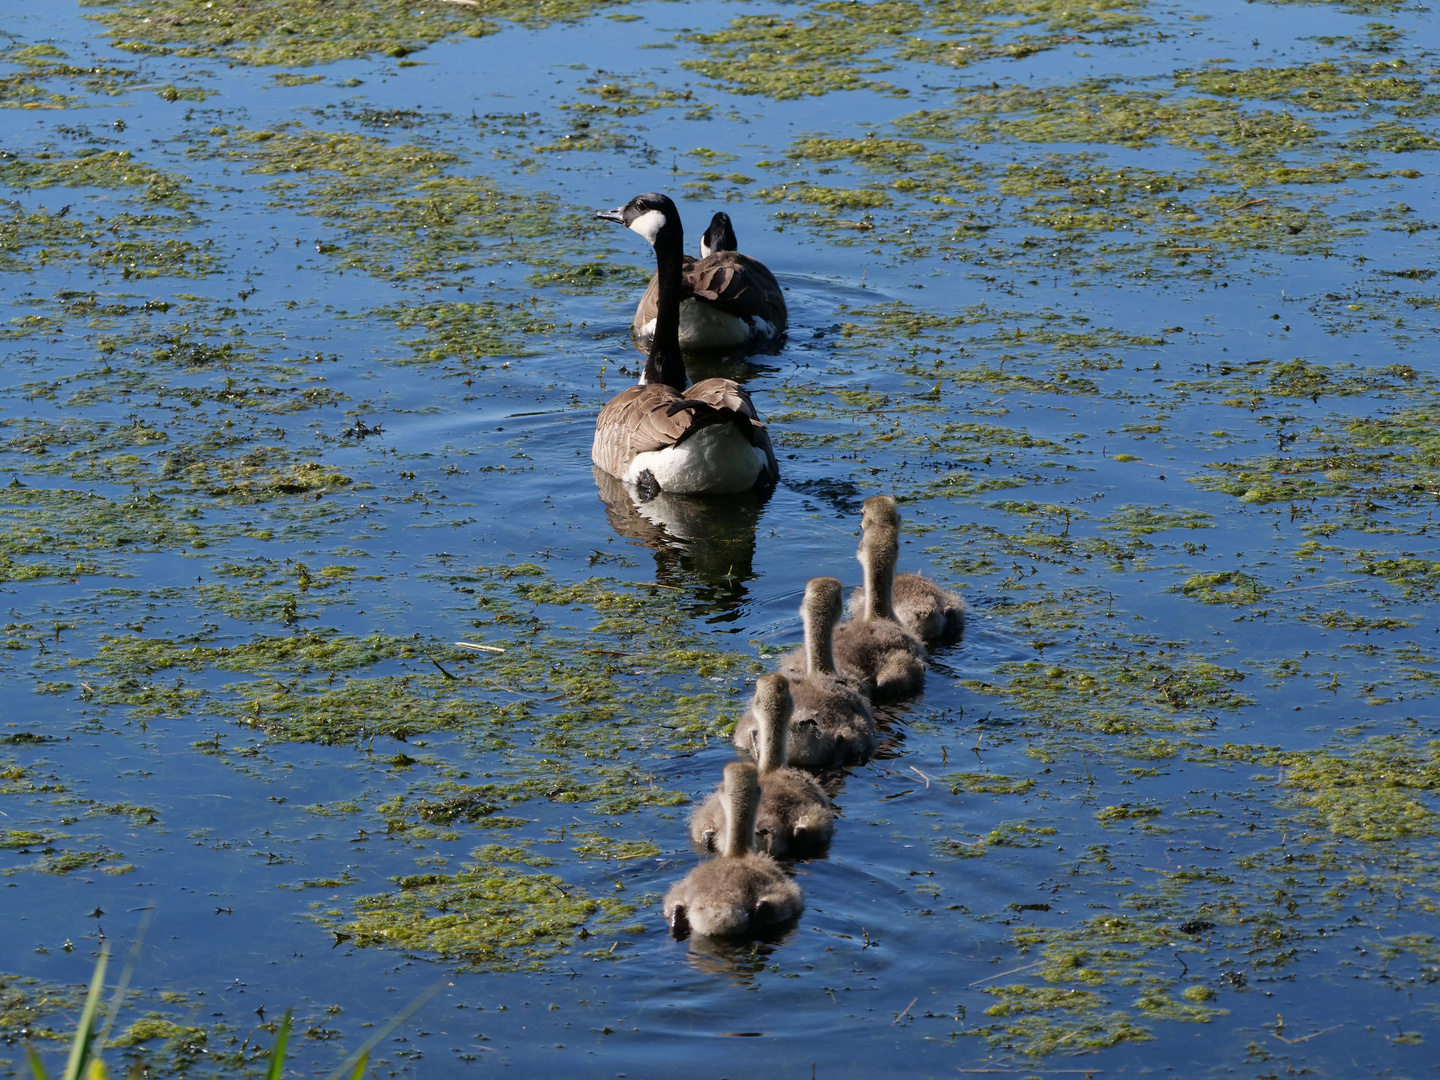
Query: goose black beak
[616, 215]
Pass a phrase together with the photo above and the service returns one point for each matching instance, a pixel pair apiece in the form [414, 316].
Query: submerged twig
[1322, 585]
[1002, 974]
[901, 1015]
[478, 648]
[1306, 1038]
[1243, 205]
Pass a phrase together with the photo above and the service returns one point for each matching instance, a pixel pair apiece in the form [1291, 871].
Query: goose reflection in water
[742, 960]
[702, 544]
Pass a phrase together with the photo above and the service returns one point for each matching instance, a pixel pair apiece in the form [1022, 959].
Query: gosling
[740, 891]
[930, 612]
[888, 659]
[832, 723]
[796, 817]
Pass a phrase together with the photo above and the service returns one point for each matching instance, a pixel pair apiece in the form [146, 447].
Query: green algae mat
[337, 678]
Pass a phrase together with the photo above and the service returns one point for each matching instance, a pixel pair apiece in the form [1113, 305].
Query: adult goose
[659, 435]
[796, 817]
[931, 612]
[740, 891]
[729, 300]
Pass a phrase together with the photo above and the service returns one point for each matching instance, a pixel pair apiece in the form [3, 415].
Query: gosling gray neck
[742, 804]
[819, 626]
[879, 549]
[774, 734]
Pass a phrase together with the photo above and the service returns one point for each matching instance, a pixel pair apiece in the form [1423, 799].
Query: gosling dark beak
[617, 215]
[680, 922]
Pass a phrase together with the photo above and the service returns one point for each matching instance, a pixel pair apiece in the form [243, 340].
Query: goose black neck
[666, 364]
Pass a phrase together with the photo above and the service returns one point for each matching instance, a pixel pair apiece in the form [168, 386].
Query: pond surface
[307, 321]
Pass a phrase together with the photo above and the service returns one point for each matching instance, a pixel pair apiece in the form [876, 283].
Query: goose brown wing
[728, 397]
[654, 416]
[634, 422]
[738, 284]
[724, 394]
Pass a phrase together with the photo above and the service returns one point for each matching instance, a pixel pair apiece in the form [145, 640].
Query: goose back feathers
[646, 429]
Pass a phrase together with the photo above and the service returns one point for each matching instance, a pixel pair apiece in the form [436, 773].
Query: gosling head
[823, 602]
[879, 525]
[880, 511]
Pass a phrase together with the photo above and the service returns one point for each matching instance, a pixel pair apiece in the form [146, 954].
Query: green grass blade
[277, 1054]
[85, 1034]
[37, 1067]
[124, 983]
[359, 1070]
[362, 1057]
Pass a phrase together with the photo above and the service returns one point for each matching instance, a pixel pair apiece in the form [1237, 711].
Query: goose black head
[649, 215]
[720, 236]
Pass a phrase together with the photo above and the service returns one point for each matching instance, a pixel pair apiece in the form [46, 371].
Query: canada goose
[796, 816]
[658, 435]
[891, 659]
[729, 299]
[932, 613]
[740, 890]
[832, 722]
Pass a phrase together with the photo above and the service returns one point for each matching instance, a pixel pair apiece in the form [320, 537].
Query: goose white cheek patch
[649, 225]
